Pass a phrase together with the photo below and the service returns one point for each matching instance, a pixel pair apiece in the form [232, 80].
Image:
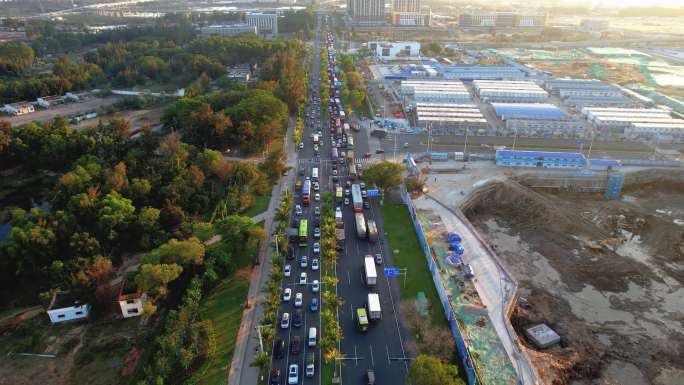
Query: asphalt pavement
[380, 348]
[310, 319]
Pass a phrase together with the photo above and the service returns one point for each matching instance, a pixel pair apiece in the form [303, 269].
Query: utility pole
[465, 145]
[591, 144]
[515, 138]
[394, 155]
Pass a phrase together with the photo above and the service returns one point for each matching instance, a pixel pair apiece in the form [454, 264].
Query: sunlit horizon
[630, 3]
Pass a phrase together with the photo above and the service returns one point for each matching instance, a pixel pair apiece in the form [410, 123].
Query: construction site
[605, 275]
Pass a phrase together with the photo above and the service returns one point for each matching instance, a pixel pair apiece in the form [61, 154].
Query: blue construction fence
[461, 348]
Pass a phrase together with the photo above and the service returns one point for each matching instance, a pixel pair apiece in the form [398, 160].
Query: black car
[279, 349]
[290, 252]
[275, 376]
[298, 318]
[296, 345]
[366, 205]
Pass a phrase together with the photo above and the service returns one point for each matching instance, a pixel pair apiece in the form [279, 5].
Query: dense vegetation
[167, 54]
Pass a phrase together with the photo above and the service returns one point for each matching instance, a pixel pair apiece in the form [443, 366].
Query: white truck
[370, 275]
[316, 139]
[374, 311]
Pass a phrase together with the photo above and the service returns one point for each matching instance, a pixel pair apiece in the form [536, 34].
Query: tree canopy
[428, 370]
[385, 175]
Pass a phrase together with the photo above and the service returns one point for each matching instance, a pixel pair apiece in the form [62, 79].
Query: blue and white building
[552, 159]
[66, 307]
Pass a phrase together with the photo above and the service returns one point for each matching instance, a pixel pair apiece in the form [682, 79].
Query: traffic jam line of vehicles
[298, 329]
[299, 322]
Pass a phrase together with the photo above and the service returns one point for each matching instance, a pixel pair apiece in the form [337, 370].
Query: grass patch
[260, 205]
[402, 237]
[223, 306]
[327, 373]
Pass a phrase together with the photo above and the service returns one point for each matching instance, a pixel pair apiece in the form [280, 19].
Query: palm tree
[261, 361]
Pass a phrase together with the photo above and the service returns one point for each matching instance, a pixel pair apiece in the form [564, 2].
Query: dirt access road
[66, 109]
[608, 276]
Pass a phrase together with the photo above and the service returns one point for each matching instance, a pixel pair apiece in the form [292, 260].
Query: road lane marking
[388, 358]
[348, 278]
[371, 354]
[356, 357]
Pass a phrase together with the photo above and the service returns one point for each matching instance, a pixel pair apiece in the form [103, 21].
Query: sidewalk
[247, 340]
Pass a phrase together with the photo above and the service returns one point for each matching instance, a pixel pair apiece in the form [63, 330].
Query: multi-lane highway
[380, 348]
[310, 319]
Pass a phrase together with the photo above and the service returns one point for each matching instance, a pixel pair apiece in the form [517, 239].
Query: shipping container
[357, 198]
[372, 231]
[369, 272]
[361, 230]
[374, 310]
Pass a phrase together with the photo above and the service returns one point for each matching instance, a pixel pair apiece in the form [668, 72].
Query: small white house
[130, 301]
[66, 307]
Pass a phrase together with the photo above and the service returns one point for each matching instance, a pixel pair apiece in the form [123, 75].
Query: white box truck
[370, 275]
[374, 311]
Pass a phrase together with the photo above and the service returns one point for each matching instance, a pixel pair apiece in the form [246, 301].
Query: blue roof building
[541, 111]
[541, 159]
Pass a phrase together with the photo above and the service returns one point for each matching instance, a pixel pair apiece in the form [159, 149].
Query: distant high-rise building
[402, 6]
[367, 12]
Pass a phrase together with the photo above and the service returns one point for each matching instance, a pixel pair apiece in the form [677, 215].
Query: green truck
[361, 319]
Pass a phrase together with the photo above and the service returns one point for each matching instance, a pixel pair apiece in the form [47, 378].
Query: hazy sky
[632, 3]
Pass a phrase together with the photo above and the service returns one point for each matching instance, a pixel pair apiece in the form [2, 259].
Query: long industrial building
[435, 91]
[635, 123]
[482, 72]
[538, 111]
[509, 91]
[451, 118]
[579, 93]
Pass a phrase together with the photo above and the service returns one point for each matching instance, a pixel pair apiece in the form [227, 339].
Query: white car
[314, 264]
[338, 212]
[317, 211]
[334, 173]
[317, 232]
[288, 270]
[285, 321]
[293, 375]
[317, 186]
[315, 286]
[317, 248]
[346, 201]
[302, 279]
[301, 145]
[299, 299]
[303, 262]
[317, 197]
[298, 210]
[287, 294]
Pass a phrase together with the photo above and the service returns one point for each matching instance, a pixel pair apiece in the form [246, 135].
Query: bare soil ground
[137, 118]
[608, 276]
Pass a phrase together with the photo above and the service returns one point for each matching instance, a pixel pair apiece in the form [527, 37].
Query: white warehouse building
[509, 91]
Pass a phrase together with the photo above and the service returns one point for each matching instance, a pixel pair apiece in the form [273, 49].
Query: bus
[303, 233]
[350, 142]
[306, 193]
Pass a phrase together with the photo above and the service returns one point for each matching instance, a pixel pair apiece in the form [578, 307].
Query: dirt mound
[608, 276]
[580, 354]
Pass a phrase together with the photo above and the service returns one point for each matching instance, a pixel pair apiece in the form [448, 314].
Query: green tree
[386, 175]
[428, 370]
[153, 278]
[114, 213]
[182, 252]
